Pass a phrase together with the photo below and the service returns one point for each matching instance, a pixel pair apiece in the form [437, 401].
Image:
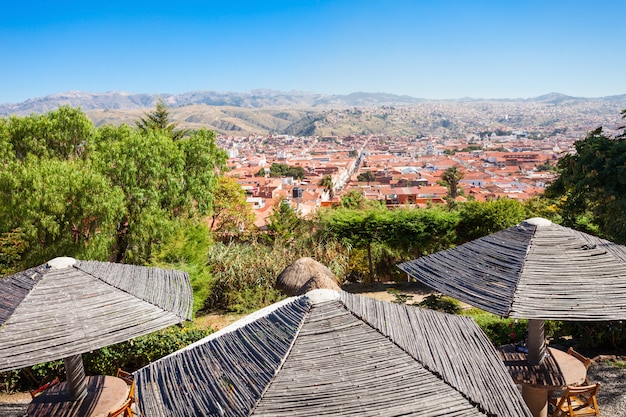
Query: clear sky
[428, 49]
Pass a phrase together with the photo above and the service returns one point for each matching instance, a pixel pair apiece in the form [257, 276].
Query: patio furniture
[104, 393]
[126, 376]
[578, 401]
[36, 392]
[556, 372]
[536, 270]
[124, 410]
[586, 361]
[96, 304]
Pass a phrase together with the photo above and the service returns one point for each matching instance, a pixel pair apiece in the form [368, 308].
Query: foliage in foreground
[244, 274]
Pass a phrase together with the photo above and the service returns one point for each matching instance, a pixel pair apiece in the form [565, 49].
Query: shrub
[500, 331]
[440, 302]
[187, 250]
[139, 352]
[587, 335]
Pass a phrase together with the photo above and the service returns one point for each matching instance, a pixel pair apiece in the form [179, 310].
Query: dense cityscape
[501, 149]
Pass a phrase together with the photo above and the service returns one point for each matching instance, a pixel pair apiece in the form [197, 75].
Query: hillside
[264, 112]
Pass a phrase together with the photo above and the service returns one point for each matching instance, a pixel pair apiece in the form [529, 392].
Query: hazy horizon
[432, 50]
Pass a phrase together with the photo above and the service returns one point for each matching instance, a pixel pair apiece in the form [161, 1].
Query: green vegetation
[367, 176]
[592, 186]
[148, 194]
[451, 177]
[284, 170]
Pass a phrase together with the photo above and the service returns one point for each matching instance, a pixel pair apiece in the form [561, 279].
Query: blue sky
[429, 49]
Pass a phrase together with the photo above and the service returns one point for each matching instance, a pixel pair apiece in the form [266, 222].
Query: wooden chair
[36, 392]
[586, 361]
[126, 376]
[123, 410]
[578, 401]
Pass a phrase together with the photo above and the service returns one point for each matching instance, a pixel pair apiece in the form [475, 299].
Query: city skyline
[438, 50]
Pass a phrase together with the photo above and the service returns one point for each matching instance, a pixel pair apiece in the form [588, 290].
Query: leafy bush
[188, 250]
[244, 274]
[587, 335]
[441, 303]
[500, 331]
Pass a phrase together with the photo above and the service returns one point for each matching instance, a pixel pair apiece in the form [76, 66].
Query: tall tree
[63, 133]
[159, 120]
[284, 222]
[58, 208]
[452, 176]
[592, 185]
[359, 229]
[329, 186]
[231, 213]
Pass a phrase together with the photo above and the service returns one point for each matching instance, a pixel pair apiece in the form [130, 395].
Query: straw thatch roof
[319, 282]
[68, 307]
[299, 273]
[335, 354]
[535, 270]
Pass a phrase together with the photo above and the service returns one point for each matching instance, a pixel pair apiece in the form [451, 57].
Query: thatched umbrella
[296, 275]
[335, 354]
[319, 282]
[66, 307]
[536, 270]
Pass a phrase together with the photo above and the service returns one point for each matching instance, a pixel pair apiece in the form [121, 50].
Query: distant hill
[304, 113]
[254, 99]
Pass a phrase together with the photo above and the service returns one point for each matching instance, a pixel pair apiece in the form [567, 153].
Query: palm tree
[452, 176]
[327, 183]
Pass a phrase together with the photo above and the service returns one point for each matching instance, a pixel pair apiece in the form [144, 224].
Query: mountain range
[254, 99]
[273, 112]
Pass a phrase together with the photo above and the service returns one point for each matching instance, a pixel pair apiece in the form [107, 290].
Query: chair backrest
[126, 376]
[586, 361]
[123, 410]
[578, 401]
[36, 392]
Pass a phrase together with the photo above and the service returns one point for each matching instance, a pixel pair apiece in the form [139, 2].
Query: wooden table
[557, 371]
[104, 394]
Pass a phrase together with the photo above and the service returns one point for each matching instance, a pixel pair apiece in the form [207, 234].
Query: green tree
[367, 176]
[231, 213]
[327, 183]
[592, 186]
[359, 229]
[204, 162]
[284, 223]
[163, 181]
[478, 219]
[61, 208]
[159, 120]
[64, 133]
[451, 177]
[278, 170]
[354, 199]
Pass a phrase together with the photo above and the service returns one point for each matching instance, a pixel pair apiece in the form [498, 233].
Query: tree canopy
[70, 189]
[158, 120]
[592, 186]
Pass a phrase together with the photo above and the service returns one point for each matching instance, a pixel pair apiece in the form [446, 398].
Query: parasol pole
[536, 342]
[76, 380]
